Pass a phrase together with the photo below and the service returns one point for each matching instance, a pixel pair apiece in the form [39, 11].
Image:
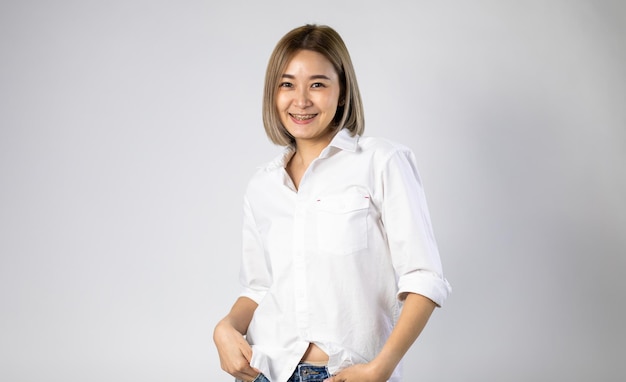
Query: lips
[302, 117]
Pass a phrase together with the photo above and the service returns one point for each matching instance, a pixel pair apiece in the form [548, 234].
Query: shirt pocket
[342, 223]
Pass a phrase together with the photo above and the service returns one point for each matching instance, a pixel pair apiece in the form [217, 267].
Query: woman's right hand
[234, 351]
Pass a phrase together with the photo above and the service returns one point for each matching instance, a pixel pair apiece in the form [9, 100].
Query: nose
[301, 98]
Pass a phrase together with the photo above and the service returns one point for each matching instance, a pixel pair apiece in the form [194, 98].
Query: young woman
[340, 267]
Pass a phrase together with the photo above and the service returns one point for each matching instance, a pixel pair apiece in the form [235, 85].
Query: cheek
[281, 102]
[281, 108]
[326, 102]
[332, 105]
[333, 100]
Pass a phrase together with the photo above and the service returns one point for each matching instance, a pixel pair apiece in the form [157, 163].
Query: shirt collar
[343, 140]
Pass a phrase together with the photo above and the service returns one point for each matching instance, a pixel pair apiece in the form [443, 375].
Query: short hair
[326, 41]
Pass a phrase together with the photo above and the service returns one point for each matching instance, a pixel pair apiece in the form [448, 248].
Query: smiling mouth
[302, 117]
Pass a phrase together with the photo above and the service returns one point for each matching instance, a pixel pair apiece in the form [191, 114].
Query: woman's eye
[285, 85]
[317, 85]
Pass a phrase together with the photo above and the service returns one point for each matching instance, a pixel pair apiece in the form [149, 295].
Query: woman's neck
[305, 153]
[303, 157]
[308, 150]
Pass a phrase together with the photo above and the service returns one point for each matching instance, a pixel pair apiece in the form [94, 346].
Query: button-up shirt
[330, 262]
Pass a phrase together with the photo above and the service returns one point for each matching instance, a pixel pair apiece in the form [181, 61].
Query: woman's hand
[414, 316]
[234, 351]
[366, 372]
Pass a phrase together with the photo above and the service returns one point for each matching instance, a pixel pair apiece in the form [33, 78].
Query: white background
[128, 130]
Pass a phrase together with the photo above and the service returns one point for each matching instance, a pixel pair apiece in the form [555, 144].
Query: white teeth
[303, 117]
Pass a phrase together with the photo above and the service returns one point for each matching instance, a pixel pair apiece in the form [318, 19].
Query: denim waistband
[304, 373]
[309, 373]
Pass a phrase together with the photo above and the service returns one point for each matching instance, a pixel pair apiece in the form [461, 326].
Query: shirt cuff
[253, 295]
[425, 283]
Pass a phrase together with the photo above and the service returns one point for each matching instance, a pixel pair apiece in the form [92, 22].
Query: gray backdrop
[128, 130]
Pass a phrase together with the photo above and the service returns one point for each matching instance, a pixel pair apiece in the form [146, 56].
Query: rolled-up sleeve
[255, 273]
[412, 244]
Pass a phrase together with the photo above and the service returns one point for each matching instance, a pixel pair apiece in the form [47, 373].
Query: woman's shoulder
[382, 146]
[278, 162]
[266, 171]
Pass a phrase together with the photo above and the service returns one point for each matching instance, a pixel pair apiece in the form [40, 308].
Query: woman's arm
[413, 318]
[234, 351]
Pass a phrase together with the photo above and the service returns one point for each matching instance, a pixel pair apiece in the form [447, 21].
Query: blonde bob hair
[326, 41]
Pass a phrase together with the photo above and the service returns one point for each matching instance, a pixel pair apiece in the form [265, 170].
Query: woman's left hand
[358, 373]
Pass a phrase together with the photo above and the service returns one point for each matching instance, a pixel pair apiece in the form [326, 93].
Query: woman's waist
[315, 356]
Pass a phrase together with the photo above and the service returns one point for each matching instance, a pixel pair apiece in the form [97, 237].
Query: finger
[248, 375]
[242, 370]
[246, 351]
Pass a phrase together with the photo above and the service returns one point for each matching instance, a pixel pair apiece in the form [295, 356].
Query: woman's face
[307, 97]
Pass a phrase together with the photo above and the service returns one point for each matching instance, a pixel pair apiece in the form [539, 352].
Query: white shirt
[328, 263]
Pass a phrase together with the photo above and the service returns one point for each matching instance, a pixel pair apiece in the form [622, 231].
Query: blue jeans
[303, 373]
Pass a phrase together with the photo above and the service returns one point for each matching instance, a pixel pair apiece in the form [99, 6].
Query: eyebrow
[313, 77]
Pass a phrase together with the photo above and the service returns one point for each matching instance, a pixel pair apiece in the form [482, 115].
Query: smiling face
[307, 97]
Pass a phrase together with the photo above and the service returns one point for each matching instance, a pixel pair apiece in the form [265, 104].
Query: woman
[340, 268]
